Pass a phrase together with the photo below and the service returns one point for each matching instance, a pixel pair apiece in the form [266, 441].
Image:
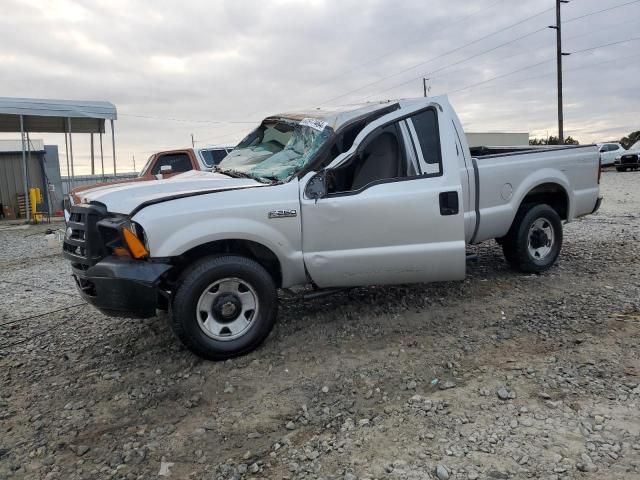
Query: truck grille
[629, 160]
[83, 244]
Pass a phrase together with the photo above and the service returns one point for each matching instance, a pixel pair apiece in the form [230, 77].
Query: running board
[472, 257]
[323, 293]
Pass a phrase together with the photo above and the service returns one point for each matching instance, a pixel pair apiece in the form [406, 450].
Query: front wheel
[534, 240]
[224, 306]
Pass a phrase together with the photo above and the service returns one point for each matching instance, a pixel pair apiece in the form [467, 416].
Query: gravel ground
[500, 376]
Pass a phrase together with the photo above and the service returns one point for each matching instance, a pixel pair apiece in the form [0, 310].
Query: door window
[381, 157]
[425, 125]
[179, 162]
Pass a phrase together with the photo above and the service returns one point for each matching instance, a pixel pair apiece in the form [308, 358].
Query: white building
[497, 139]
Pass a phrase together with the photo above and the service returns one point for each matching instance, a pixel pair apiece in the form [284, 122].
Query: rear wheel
[534, 240]
[224, 306]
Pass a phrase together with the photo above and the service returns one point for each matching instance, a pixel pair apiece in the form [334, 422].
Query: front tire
[534, 240]
[224, 306]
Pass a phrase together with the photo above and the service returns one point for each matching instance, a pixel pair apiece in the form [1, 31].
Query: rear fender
[541, 177]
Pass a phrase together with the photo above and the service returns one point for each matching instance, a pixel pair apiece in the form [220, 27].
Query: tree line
[625, 141]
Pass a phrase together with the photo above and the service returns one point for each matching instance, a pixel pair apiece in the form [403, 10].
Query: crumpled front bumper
[122, 287]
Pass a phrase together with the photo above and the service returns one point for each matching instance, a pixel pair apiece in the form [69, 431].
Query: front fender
[205, 231]
[179, 225]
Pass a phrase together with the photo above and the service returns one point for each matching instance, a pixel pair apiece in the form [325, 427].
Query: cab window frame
[412, 141]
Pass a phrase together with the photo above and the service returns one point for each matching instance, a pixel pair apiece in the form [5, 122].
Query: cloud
[174, 68]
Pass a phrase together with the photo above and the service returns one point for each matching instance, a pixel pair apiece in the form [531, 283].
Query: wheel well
[553, 195]
[256, 251]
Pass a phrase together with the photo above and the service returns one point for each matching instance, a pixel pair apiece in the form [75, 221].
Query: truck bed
[503, 177]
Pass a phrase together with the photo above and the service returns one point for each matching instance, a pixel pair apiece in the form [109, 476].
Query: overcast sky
[215, 67]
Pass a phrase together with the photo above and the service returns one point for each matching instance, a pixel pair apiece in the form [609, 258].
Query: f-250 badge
[282, 213]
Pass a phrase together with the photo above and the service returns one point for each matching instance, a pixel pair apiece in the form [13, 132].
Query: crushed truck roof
[337, 116]
[334, 117]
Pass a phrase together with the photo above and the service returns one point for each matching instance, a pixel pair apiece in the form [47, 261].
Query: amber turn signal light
[136, 247]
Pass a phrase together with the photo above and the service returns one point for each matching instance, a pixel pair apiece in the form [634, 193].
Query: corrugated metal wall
[11, 182]
[52, 172]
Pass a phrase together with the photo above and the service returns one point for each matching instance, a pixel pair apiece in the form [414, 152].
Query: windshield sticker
[314, 123]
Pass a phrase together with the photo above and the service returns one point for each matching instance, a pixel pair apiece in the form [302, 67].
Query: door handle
[449, 203]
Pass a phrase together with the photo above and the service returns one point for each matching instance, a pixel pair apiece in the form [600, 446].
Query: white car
[609, 152]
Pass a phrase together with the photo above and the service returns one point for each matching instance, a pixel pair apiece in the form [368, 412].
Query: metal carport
[27, 115]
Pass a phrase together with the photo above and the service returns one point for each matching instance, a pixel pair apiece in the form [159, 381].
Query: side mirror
[316, 187]
[164, 169]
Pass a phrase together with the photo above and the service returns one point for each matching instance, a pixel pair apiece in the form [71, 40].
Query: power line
[456, 63]
[559, 54]
[185, 120]
[600, 11]
[526, 52]
[461, 20]
[606, 45]
[592, 32]
[447, 26]
[501, 76]
[467, 17]
[587, 65]
[439, 56]
[536, 65]
[232, 134]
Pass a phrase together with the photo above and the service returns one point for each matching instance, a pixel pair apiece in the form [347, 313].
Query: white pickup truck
[385, 193]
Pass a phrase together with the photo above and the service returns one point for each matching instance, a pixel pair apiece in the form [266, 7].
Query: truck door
[392, 209]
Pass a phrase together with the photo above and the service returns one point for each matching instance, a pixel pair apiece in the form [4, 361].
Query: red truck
[163, 165]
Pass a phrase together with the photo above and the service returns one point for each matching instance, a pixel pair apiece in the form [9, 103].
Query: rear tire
[224, 306]
[534, 240]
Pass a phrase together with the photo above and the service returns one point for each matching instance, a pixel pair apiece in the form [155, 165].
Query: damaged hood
[124, 198]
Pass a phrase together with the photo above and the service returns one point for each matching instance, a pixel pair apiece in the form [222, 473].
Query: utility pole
[93, 158]
[193, 142]
[424, 86]
[134, 163]
[559, 54]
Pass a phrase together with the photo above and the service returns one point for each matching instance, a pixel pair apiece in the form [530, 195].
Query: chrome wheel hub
[226, 309]
[541, 239]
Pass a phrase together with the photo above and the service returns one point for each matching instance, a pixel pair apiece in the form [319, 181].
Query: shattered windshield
[277, 149]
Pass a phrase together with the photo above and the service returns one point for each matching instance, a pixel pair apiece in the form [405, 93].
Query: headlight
[123, 238]
[134, 244]
[140, 233]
